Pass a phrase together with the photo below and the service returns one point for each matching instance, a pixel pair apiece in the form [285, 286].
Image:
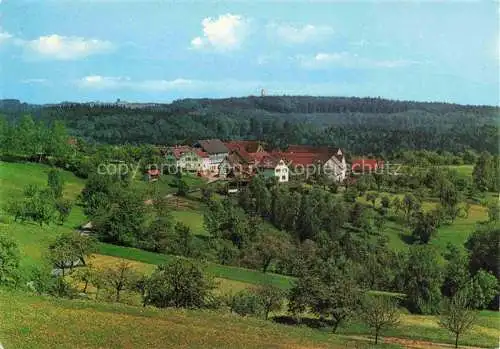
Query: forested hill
[361, 125]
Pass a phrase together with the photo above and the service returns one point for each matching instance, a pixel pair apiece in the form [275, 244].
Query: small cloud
[65, 47]
[227, 32]
[4, 36]
[300, 34]
[113, 82]
[34, 81]
[348, 60]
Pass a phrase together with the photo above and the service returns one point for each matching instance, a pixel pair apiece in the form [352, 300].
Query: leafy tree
[485, 173]
[63, 207]
[385, 201]
[55, 182]
[329, 290]
[183, 239]
[449, 198]
[493, 213]
[159, 235]
[120, 277]
[225, 251]
[483, 289]
[182, 187]
[260, 195]
[9, 261]
[246, 303]
[180, 283]
[422, 279]
[425, 228]
[122, 220]
[69, 249]
[379, 313]
[457, 317]
[483, 247]
[372, 197]
[410, 204]
[397, 204]
[271, 297]
[456, 274]
[268, 246]
[350, 194]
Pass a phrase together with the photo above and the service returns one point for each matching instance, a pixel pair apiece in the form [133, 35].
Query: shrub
[247, 303]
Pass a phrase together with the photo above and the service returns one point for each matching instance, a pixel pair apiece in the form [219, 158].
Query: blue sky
[52, 51]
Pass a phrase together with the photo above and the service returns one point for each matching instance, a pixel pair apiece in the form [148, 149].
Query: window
[283, 178]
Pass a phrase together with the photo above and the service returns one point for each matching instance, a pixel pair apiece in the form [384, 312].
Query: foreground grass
[38, 322]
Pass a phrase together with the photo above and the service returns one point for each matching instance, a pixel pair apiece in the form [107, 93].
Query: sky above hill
[53, 51]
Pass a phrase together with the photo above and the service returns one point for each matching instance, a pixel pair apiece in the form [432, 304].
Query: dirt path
[412, 343]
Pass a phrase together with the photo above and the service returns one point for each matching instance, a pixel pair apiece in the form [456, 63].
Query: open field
[249, 276]
[32, 326]
[31, 238]
[455, 233]
[39, 322]
[425, 328]
[415, 327]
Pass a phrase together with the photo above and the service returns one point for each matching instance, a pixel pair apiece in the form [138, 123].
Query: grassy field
[31, 238]
[37, 322]
[249, 276]
[455, 233]
[463, 170]
[415, 327]
[425, 328]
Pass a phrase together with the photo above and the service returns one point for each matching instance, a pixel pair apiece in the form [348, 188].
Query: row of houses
[243, 159]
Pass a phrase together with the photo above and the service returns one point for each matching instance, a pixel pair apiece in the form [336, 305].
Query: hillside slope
[36, 322]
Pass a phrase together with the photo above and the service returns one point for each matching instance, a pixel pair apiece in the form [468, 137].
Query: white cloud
[34, 81]
[204, 88]
[115, 83]
[300, 34]
[348, 60]
[4, 36]
[227, 32]
[64, 47]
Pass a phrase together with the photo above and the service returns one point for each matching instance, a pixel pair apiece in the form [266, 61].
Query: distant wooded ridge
[360, 125]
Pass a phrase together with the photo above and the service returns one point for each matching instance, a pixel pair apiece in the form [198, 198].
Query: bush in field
[9, 261]
[271, 298]
[247, 303]
[180, 284]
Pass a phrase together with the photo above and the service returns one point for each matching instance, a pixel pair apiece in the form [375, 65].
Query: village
[240, 160]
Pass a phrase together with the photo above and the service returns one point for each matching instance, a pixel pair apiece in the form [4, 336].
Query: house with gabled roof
[331, 161]
[216, 151]
[248, 158]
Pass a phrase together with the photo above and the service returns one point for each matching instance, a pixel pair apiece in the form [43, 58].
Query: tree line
[359, 125]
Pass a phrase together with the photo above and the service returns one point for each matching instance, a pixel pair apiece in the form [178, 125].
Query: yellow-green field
[36, 322]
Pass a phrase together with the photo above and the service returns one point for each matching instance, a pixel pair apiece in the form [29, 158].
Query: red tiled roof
[201, 153]
[371, 164]
[309, 155]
